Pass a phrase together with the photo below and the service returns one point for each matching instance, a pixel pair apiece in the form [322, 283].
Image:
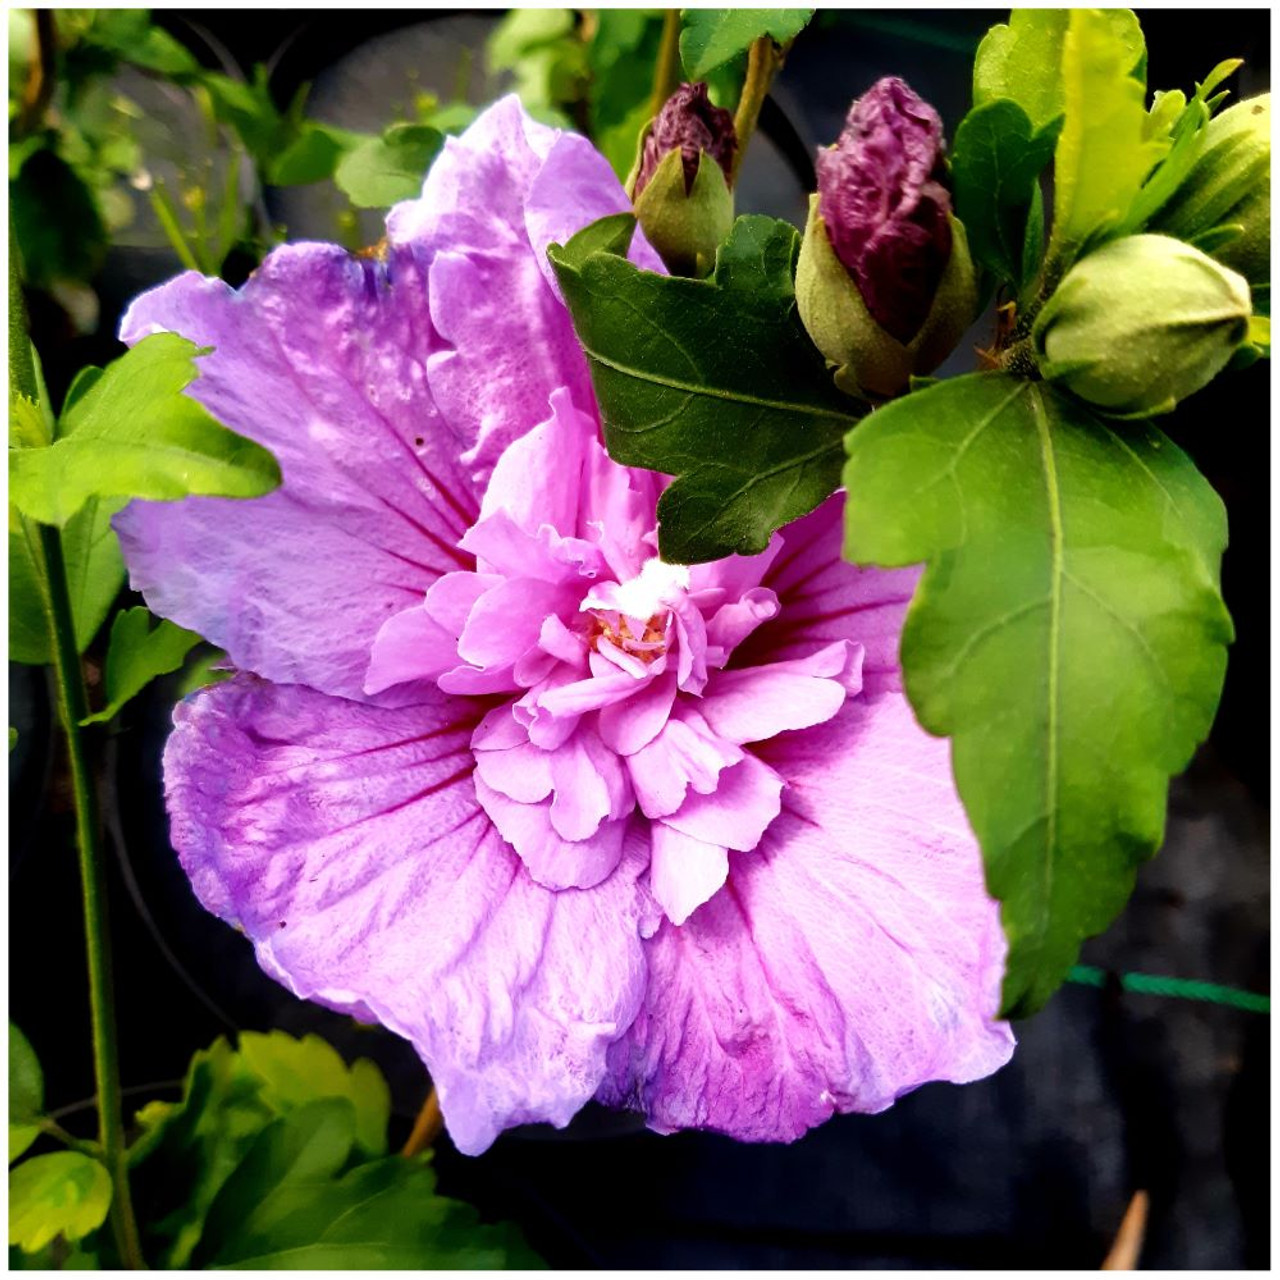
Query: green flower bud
[686, 228]
[1140, 324]
[1229, 186]
[870, 360]
[680, 182]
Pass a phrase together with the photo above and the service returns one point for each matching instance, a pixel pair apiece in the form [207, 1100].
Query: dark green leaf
[380, 171]
[305, 1148]
[130, 35]
[1068, 635]
[134, 434]
[314, 155]
[29, 638]
[94, 565]
[621, 56]
[137, 654]
[250, 110]
[383, 1215]
[95, 573]
[294, 1072]
[64, 1194]
[56, 222]
[711, 37]
[26, 1086]
[205, 666]
[189, 1149]
[714, 381]
[996, 163]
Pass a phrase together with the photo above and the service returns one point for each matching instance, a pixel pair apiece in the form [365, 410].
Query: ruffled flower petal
[851, 957]
[319, 358]
[347, 842]
[825, 599]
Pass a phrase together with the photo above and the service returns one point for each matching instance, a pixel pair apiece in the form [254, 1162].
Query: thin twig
[1128, 1243]
[668, 69]
[763, 63]
[426, 1128]
[42, 76]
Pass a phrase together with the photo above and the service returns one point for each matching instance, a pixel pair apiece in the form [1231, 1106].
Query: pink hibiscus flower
[577, 823]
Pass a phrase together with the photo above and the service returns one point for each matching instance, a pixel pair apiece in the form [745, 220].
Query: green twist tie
[1148, 984]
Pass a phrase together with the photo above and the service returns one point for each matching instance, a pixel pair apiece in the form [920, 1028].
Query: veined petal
[348, 843]
[751, 704]
[851, 957]
[552, 860]
[319, 357]
[684, 872]
[825, 599]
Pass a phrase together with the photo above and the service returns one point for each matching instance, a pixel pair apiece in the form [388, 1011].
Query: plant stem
[72, 708]
[426, 1128]
[41, 76]
[667, 70]
[167, 215]
[763, 63]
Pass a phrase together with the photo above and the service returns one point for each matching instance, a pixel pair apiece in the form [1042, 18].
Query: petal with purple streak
[850, 958]
[318, 357]
[347, 842]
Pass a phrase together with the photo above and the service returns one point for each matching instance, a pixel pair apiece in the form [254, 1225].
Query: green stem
[763, 63]
[72, 708]
[167, 215]
[667, 70]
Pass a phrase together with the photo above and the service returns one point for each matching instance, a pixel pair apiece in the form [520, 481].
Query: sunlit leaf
[1068, 635]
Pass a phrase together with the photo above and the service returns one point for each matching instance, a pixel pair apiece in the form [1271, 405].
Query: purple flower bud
[690, 122]
[884, 206]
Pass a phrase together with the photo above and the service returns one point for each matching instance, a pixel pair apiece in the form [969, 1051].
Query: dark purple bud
[690, 122]
[884, 205]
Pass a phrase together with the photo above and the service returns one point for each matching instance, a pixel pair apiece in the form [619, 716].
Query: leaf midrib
[1053, 709]
[675, 384]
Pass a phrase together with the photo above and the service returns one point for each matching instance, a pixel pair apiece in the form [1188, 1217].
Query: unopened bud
[884, 283]
[1230, 186]
[1140, 324]
[884, 205]
[680, 183]
[691, 124]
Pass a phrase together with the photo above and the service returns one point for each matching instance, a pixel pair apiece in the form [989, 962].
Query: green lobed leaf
[296, 1071]
[95, 574]
[65, 1193]
[137, 654]
[308, 1146]
[1104, 152]
[189, 1149]
[130, 35]
[996, 160]
[134, 434]
[314, 155]
[713, 381]
[381, 171]
[26, 1085]
[621, 57]
[382, 1215]
[1068, 635]
[1022, 60]
[56, 221]
[711, 37]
